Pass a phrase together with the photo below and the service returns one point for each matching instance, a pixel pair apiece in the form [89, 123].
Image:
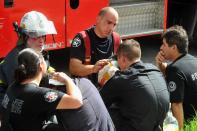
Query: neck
[176, 55]
[97, 33]
[36, 80]
[129, 63]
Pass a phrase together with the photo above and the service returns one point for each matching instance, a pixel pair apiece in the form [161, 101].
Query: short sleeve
[77, 48]
[175, 81]
[48, 99]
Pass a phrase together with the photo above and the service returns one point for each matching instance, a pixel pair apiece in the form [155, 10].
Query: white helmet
[35, 24]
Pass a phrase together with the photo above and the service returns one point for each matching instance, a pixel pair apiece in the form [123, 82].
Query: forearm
[162, 67]
[72, 89]
[177, 110]
[81, 70]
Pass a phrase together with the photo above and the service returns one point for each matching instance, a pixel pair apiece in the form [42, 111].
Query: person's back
[92, 116]
[29, 107]
[141, 95]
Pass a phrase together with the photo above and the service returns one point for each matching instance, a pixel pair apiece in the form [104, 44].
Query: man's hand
[99, 65]
[161, 61]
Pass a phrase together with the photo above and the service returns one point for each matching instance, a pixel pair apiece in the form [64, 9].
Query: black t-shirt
[141, 96]
[92, 116]
[182, 83]
[101, 48]
[31, 105]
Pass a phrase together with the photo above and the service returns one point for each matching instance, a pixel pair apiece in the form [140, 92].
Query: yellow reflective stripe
[2, 62]
[2, 82]
[50, 69]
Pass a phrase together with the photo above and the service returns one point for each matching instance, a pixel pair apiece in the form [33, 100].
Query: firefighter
[137, 95]
[28, 104]
[181, 73]
[34, 27]
[92, 116]
[101, 40]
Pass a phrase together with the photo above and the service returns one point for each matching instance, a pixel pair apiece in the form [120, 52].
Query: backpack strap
[86, 39]
[116, 39]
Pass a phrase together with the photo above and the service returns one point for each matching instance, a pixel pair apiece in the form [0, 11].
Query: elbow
[78, 104]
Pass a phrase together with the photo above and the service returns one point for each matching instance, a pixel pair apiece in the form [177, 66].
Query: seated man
[138, 90]
[92, 116]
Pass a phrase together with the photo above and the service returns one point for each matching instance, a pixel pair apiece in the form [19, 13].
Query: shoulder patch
[76, 42]
[50, 96]
[172, 86]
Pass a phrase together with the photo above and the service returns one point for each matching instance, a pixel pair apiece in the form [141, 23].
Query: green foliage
[191, 125]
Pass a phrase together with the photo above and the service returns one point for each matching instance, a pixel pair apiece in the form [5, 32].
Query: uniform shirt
[92, 116]
[31, 105]
[101, 48]
[8, 66]
[181, 76]
[141, 95]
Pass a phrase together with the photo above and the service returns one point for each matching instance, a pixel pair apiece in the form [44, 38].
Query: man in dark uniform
[137, 95]
[101, 45]
[92, 116]
[181, 74]
[32, 33]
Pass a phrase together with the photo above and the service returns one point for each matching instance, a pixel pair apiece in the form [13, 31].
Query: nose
[42, 39]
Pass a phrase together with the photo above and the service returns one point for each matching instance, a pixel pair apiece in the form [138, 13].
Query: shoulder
[77, 41]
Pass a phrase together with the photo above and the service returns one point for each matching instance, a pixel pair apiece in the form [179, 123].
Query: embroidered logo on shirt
[194, 76]
[5, 101]
[172, 86]
[50, 96]
[76, 42]
[17, 106]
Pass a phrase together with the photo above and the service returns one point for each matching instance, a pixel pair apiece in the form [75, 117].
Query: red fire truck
[137, 18]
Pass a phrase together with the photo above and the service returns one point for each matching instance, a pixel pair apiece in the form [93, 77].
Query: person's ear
[98, 19]
[174, 47]
[42, 66]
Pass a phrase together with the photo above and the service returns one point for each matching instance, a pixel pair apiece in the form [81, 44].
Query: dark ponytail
[28, 61]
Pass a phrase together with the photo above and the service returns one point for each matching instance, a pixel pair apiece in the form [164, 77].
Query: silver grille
[137, 17]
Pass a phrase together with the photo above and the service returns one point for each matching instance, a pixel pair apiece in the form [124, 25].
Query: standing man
[138, 90]
[181, 73]
[102, 41]
[34, 27]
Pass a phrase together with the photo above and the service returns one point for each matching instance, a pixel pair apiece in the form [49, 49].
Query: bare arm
[76, 67]
[73, 98]
[177, 110]
[160, 62]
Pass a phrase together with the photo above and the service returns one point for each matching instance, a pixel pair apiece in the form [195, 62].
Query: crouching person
[26, 105]
[92, 116]
[137, 95]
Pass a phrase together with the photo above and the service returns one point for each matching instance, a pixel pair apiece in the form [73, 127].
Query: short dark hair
[28, 61]
[176, 35]
[130, 49]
